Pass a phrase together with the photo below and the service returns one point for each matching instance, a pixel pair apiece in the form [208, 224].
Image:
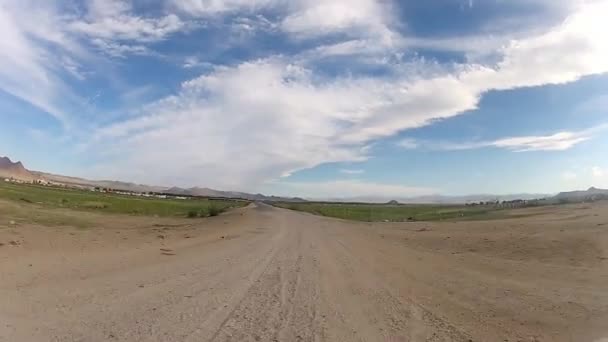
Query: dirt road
[268, 274]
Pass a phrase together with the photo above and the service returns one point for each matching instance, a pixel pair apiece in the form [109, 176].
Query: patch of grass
[214, 210]
[393, 213]
[93, 205]
[49, 197]
[23, 214]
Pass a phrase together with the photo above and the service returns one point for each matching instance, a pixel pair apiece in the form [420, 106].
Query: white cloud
[111, 26]
[597, 172]
[364, 17]
[584, 177]
[192, 62]
[566, 53]
[34, 51]
[73, 67]
[350, 188]
[570, 51]
[306, 18]
[239, 126]
[599, 177]
[243, 125]
[351, 171]
[408, 144]
[46, 45]
[569, 176]
[121, 50]
[113, 20]
[214, 7]
[554, 142]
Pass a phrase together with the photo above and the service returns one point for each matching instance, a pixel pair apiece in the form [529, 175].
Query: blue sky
[314, 98]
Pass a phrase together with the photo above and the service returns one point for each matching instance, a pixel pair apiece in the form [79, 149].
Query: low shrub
[214, 210]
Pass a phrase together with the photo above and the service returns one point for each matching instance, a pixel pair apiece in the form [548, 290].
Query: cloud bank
[245, 123]
[553, 142]
[264, 119]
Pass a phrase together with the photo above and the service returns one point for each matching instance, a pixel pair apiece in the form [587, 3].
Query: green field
[52, 197]
[395, 213]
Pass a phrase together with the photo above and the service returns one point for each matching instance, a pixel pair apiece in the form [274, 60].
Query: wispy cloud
[569, 176]
[597, 172]
[351, 188]
[194, 62]
[114, 20]
[352, 171]
[46, 45]
[408, 144]
[313, 18]
[35, 53]
[303, 18]
[279, 112]
[554, 142]
[309, 120]
[120, 50]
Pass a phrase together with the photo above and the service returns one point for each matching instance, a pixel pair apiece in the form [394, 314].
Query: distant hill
[8, 169]
[441, 199]
[16, 170]
[591, 194]
[81, 182]
[206, 192]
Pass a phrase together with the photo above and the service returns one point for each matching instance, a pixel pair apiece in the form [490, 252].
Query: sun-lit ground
[83, 200]
[403, 212]
[264, 273]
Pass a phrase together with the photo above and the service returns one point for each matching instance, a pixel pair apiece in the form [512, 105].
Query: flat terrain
[268, 274]
[84, 200]
[367, 212]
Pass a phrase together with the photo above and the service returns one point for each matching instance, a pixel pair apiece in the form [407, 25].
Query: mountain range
[16, 170]
[591, 194]
[8, 169]
[443, 199]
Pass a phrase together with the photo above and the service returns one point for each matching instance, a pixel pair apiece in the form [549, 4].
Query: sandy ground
[268, 274]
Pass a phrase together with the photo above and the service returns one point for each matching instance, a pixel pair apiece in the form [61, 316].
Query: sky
[314, 98]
